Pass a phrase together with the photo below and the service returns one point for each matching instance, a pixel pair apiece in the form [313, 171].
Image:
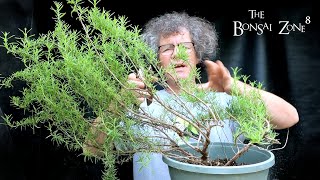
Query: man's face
[168, 55]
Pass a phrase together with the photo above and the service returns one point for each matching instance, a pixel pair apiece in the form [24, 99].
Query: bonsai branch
[238, 154]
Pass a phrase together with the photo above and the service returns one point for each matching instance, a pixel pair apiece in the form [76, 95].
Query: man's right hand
[140, 89]
[94, 146]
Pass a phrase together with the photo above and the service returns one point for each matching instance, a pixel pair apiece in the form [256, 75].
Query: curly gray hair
[203, 33]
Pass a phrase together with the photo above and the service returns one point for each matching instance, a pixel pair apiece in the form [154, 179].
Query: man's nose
[174, 52]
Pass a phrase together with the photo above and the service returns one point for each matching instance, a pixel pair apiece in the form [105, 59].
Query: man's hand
[219, 78]
[95, 146]
[140, 90]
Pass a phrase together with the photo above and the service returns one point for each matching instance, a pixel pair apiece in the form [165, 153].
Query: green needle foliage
[250, 112]
[71, 74]
[75, 76]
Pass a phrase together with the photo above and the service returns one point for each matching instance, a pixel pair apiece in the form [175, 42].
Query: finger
[204, 86]
[211, 67]
[132, 76]
[142, 95]
[224, 70]
[138, 84]
[141, 100]
[214, 74]
[142, 77]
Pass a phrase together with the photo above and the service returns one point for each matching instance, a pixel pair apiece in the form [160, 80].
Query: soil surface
[215, 162]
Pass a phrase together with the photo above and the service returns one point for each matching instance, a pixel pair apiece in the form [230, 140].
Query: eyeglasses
[168, 49]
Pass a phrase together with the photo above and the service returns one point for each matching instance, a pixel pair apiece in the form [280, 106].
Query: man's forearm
[282, 113]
